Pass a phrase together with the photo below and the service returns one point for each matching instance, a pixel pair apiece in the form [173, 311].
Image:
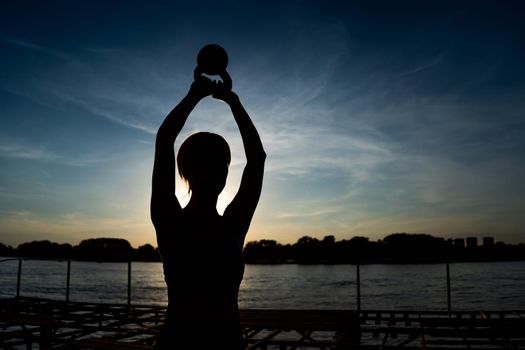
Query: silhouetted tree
[104, 249]
[307, 250]
[263, 251]
[396, 248]
[146, 252]
[6, 250]
[45, 249]
[403, 247]
[327, 249]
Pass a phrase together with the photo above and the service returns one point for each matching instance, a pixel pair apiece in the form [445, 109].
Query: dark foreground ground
[49, 324]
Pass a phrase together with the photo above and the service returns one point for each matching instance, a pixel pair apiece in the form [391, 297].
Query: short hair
[201, 154]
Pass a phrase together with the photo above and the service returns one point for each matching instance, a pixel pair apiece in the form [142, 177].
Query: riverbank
[398, 248]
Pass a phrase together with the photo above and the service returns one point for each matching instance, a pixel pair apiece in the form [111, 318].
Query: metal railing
[358, 286]
[68, 279]
[68, 274]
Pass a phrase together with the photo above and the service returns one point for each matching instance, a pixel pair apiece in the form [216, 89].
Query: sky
[377, 116]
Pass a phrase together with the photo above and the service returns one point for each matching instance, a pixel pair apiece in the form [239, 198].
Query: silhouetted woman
[202, 250]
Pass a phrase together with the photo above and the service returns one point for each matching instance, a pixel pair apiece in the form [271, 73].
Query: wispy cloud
[25, 152]
[309, 214]
[71, 227]
[25, 44]
[400, 154]
[107, 112]
[20, 150]
[125, 88]
[424, 66]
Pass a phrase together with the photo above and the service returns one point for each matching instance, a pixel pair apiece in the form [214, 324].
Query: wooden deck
[27, 323]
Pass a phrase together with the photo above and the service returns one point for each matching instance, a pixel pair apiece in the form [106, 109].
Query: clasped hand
[203, 86]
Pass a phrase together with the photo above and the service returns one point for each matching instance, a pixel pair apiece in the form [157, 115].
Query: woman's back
[203, 268]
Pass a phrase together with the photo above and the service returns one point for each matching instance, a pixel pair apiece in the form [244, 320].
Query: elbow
[163, 137]
[162, 133]
[258, 157]
[263, 155]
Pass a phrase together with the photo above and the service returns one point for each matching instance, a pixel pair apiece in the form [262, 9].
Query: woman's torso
[203, 268]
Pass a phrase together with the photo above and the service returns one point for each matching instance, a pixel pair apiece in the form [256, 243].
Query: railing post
[358, 284]
[68, 277]
[18, 278]
[129, 282]
[449, 303]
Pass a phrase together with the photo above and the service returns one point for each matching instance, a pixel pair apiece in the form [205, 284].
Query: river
[474, 286]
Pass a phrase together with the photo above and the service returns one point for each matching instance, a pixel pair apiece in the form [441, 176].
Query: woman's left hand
[223, 90]
[202, 86]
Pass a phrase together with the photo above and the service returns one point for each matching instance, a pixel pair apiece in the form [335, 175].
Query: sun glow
[184, 196]
[225, 198]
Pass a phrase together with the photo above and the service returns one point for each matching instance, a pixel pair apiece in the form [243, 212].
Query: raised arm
[164, 203]
[242, 208]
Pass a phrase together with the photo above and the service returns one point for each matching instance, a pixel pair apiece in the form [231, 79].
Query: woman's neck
[203, 203]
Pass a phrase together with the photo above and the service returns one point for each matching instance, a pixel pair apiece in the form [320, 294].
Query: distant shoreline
[385, 262]
[378, 262]
[397, 248]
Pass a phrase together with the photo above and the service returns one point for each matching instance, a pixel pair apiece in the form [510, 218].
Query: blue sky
[377, 117]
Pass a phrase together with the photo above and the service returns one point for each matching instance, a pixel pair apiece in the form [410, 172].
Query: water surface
[474, 286]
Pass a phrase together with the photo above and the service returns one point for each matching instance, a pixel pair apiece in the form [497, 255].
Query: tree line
[94, 249]
[394, 248]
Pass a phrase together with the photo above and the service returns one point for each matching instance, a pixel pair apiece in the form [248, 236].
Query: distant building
[488, 242]
[472, 242]
[459, 243]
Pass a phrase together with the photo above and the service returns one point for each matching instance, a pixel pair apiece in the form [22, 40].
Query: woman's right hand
[201, 86]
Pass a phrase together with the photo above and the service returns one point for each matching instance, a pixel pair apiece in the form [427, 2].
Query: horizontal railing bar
[66, 259]
[120, 306]
[448, 311]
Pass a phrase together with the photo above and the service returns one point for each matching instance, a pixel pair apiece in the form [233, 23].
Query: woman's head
[203, 161]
